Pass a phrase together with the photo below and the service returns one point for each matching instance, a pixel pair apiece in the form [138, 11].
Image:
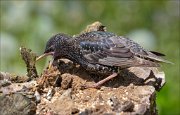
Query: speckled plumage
[102, 52]
[50, 45]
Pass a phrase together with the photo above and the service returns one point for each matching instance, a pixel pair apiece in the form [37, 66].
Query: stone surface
[16, 104]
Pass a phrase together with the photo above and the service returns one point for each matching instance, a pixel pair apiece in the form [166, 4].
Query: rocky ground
[63, 93]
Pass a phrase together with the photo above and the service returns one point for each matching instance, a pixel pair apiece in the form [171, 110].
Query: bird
[101, 52]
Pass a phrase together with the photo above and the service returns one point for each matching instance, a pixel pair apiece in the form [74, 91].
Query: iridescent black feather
[50, 45]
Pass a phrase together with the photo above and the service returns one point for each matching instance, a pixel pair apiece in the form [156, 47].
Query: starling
[102, 53]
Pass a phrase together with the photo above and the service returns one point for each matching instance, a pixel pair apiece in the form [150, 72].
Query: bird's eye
[49, 49]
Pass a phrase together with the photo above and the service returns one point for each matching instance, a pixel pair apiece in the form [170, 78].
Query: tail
[156, 56]
[157, 53]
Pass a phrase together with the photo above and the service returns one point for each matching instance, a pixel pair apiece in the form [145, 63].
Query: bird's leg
[50, 64]
[98, 84]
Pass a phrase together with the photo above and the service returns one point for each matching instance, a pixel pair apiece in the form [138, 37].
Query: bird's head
[52, 44]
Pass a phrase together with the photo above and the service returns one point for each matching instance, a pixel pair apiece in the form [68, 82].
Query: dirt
[131, 99]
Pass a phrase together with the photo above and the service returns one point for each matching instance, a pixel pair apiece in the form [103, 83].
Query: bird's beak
[43, 55]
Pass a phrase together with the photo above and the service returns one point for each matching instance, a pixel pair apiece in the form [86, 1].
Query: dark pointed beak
[44, 55]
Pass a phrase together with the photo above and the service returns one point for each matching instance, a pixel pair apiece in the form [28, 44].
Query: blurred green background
[153, 24]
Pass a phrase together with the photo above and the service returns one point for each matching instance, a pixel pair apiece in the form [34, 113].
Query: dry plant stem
[51, 71]
[29, 59]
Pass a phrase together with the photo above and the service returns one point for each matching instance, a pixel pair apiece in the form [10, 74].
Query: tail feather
[157, 53]
[144, 63]
[156, 57]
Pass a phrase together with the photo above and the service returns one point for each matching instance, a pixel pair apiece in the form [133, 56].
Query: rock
[66, 81]
[16, 104]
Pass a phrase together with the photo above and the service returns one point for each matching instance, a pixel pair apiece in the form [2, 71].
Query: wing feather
[114, 50]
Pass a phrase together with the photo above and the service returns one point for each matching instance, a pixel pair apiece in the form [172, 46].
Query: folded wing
[113, 51]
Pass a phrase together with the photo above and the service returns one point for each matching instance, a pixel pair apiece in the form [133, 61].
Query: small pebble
[50, 94]
[37, 96]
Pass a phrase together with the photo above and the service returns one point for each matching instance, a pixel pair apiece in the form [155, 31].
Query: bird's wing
[110, 51]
